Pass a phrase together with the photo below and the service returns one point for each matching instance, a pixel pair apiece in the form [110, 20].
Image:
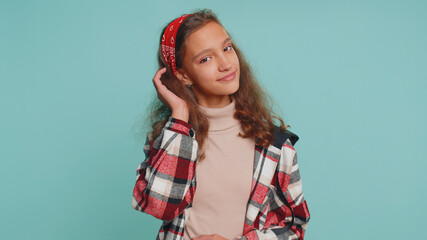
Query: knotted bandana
[168, 42]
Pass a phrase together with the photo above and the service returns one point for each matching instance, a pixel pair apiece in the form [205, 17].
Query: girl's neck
[215, 102]
[221, 119]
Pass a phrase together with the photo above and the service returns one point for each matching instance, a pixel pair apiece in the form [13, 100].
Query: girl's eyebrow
[209, 49]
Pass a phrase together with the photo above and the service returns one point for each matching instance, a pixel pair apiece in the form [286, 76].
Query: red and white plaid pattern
[165, 186]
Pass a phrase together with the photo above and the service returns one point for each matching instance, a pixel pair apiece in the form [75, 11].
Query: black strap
[279, 139]
[283, 198]
[281, 136]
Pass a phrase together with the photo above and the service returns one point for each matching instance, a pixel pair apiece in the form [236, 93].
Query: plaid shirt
[166, 183]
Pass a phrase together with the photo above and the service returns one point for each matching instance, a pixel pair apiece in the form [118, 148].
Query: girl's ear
[183, 77]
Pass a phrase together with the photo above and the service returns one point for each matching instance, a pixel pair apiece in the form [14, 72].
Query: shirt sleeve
[165, 182]
[278, 220]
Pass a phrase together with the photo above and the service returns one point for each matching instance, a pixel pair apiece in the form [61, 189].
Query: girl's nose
[224, 64]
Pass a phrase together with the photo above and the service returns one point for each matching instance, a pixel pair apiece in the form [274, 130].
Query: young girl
[216, 165]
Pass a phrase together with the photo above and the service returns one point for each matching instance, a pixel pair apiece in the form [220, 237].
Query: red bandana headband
[168, 42]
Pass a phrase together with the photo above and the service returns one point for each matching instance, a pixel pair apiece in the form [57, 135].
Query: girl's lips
[228, 77]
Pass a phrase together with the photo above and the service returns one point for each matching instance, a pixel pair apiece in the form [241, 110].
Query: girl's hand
[209, 237]
[177, 105]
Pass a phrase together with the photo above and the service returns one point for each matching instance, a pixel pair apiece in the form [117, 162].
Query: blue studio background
[348, 76]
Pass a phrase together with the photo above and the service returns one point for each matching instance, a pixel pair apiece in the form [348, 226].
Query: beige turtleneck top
[223, 178]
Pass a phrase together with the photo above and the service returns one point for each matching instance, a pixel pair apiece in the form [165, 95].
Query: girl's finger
[156, 79]
[159, 73]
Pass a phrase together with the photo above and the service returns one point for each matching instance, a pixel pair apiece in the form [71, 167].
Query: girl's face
[211, 65]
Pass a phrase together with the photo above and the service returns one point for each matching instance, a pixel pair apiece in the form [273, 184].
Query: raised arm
[165, 181]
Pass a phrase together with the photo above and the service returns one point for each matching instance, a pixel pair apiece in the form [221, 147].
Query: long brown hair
[250, 98]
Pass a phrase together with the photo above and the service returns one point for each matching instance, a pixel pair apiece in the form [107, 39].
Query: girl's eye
[205, 59]
[228, 48]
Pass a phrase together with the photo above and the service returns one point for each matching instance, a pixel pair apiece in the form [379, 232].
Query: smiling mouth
[228, 77]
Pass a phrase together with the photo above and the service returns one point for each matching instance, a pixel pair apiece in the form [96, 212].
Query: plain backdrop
[75, 80]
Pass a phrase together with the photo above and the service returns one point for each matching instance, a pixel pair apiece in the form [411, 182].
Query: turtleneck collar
[222, 118]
